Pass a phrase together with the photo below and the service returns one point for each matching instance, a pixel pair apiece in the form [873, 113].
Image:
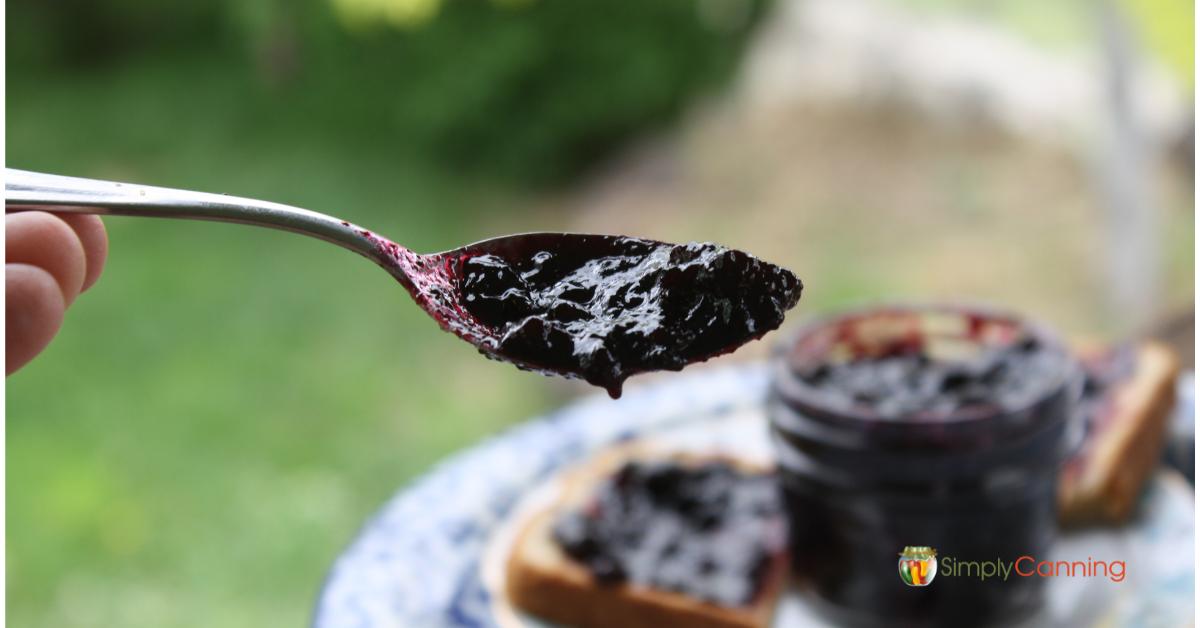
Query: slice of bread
[543, 581]
[1125, 436]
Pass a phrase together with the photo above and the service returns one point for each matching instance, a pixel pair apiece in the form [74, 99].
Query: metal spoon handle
[27, 191]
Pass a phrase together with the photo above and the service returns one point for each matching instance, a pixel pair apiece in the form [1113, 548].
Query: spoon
[597, 307]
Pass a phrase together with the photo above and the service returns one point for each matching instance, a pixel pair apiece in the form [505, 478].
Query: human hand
[50, 259]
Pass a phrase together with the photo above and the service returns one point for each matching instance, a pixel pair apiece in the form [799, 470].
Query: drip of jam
[603, 308]
[907, 381]
[709, 532]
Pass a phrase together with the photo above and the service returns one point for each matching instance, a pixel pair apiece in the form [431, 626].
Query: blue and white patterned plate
[421, 560]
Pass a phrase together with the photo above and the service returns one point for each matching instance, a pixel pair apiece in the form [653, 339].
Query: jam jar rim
[811, 400]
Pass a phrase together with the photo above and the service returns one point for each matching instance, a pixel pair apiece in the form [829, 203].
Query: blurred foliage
[527, 93]
[1167, 28]
[399, 13]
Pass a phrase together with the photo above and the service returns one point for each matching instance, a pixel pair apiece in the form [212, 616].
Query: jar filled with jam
[936, 427]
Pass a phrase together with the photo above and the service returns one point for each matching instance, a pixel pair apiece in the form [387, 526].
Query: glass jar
[975, 481]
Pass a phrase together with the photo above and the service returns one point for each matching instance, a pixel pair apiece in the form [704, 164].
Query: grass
[223, 410]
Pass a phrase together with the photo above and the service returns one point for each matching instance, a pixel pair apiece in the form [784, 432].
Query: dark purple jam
[709, 532]
[908, 380]
[1104, 370]
[603, 308]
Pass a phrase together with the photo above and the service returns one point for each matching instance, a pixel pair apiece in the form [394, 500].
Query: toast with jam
[655, 541]
[1128, 395]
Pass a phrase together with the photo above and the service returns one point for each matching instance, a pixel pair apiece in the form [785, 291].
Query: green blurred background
[226, 407]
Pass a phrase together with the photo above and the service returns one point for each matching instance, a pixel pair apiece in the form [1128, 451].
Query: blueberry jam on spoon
[600, 308]
[597, 307]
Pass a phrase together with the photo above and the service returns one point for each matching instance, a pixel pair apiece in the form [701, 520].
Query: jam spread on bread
[707, 531]
[1102, 372]
[1128, 395]
[607, 307]
[905, 380]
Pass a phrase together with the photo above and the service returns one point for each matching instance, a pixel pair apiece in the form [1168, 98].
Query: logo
[918, 565]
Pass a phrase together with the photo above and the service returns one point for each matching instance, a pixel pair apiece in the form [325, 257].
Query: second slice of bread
[1124, 443]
